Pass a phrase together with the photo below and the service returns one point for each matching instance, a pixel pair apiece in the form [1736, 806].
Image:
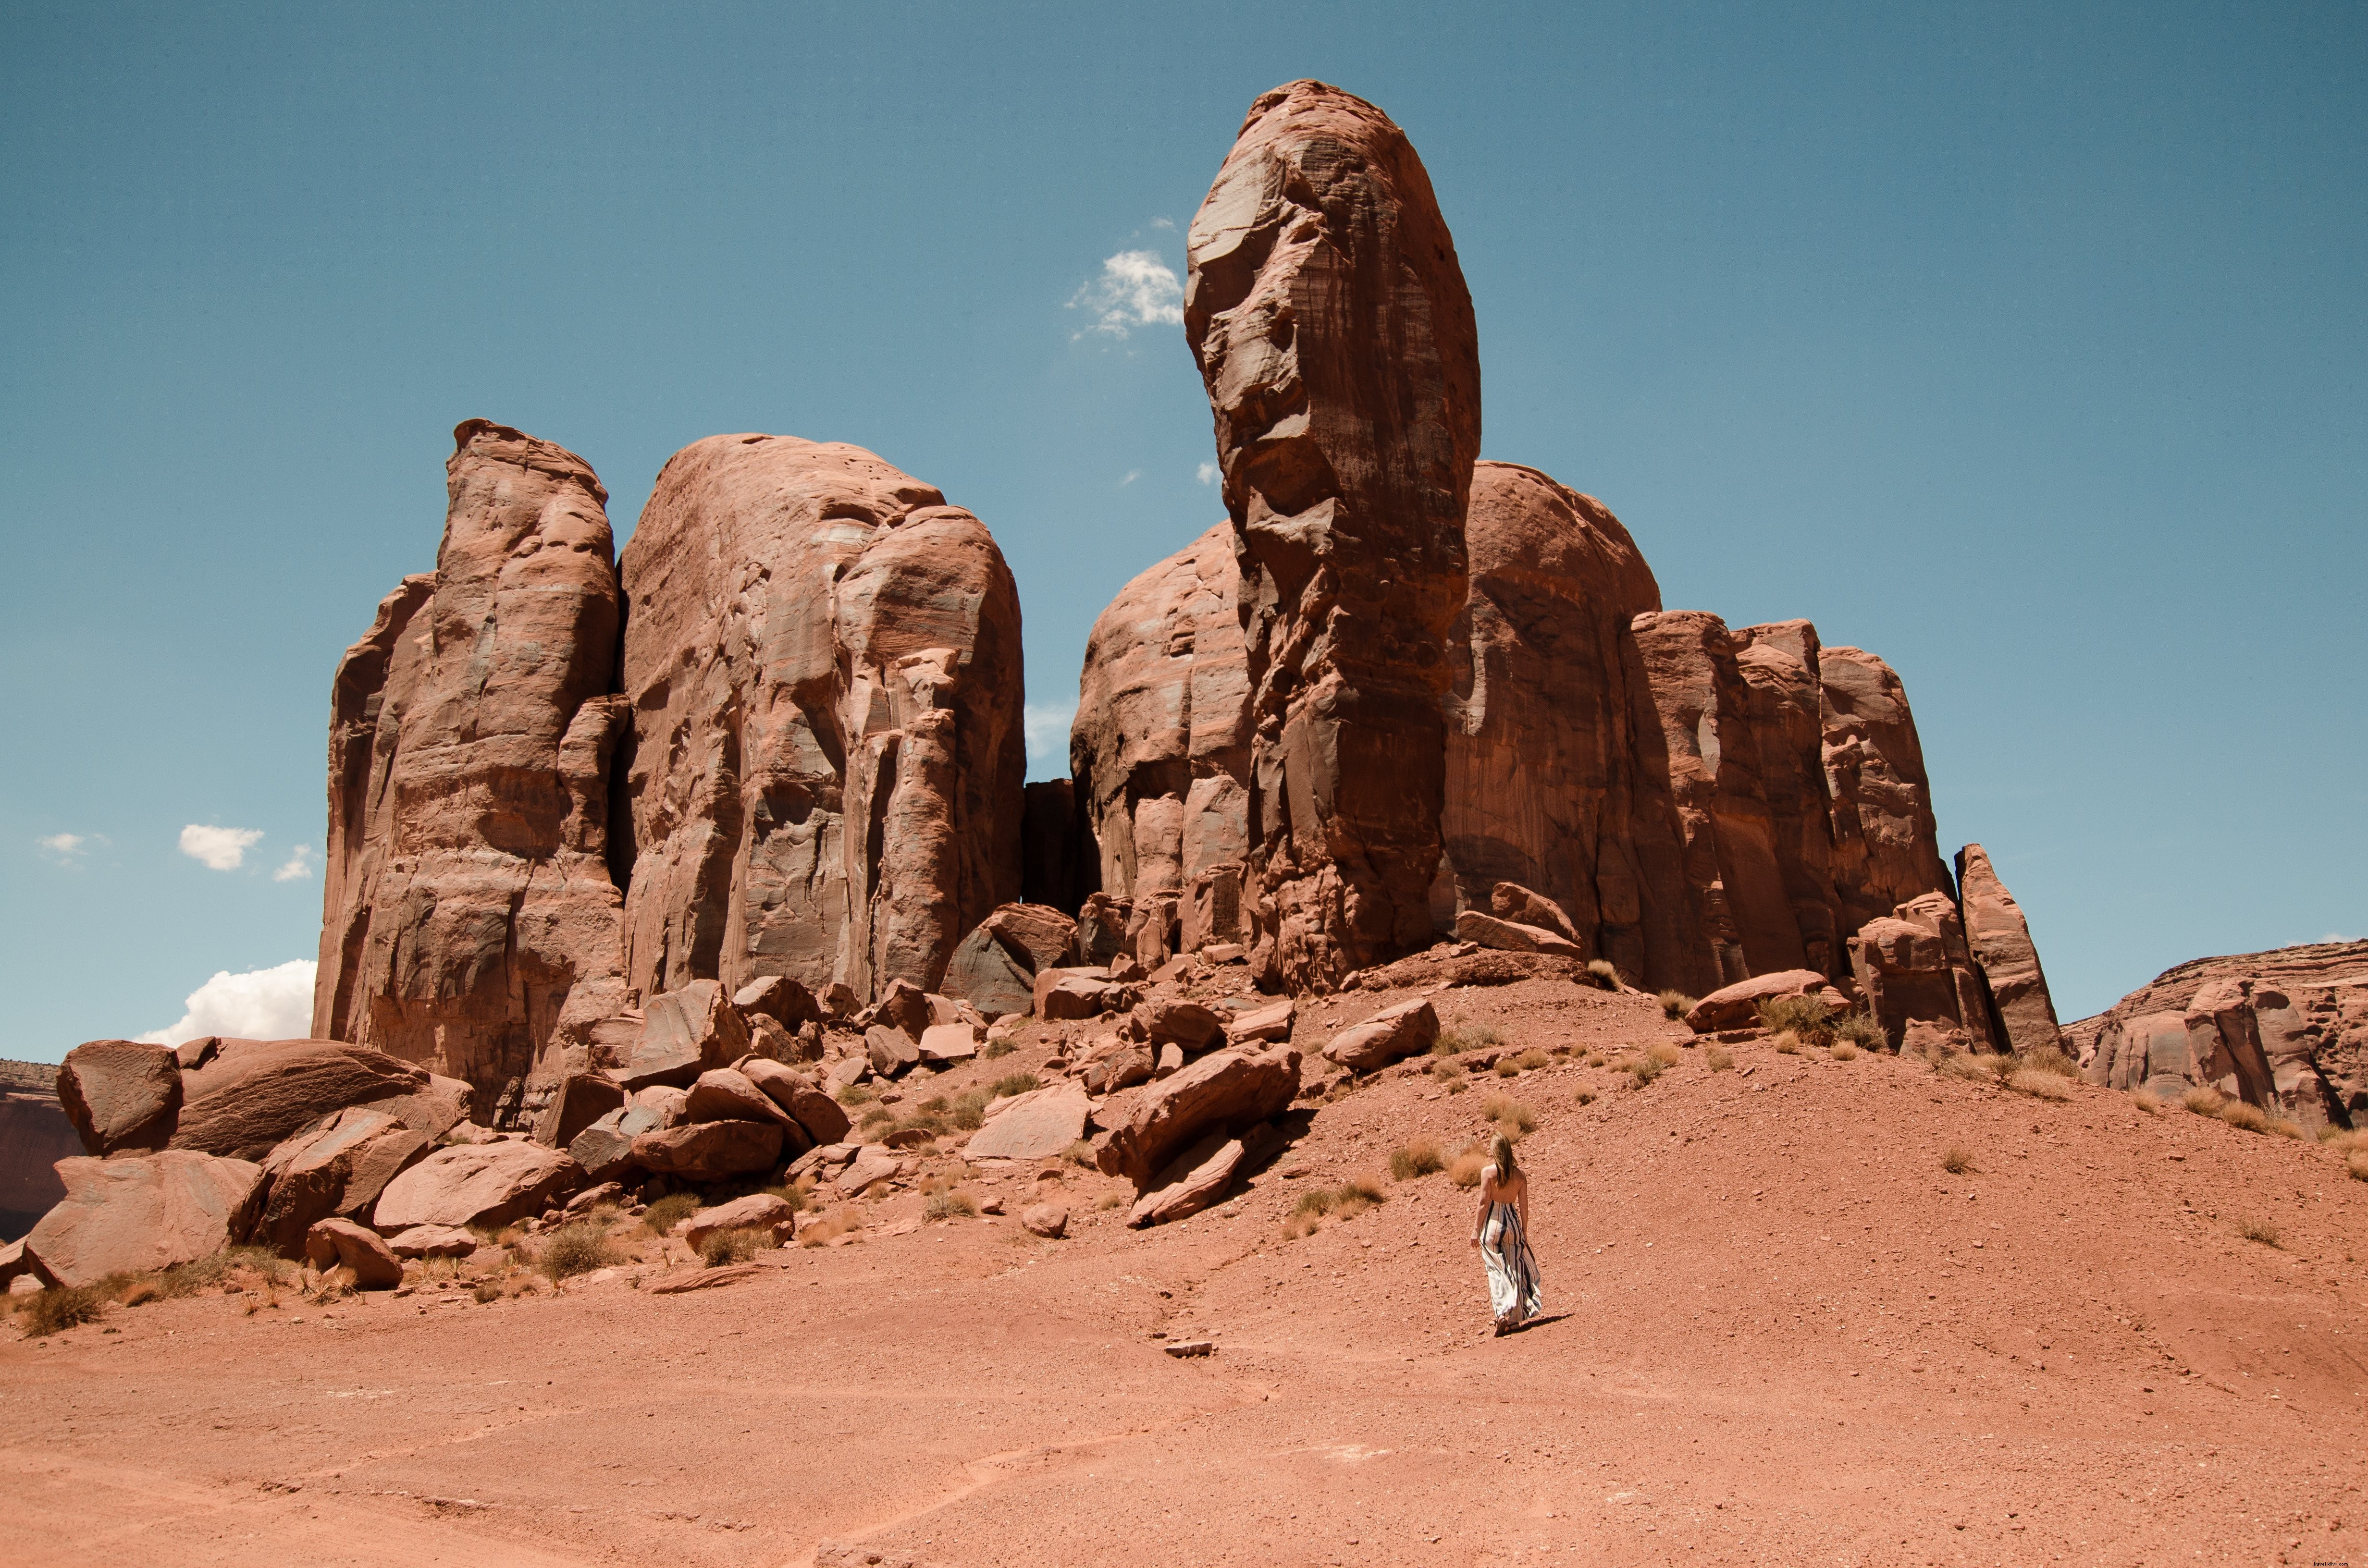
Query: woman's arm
[1487, 1197]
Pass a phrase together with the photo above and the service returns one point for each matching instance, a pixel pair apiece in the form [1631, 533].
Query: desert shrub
[949, 1204]
[1532, 1059]
[998, 1049]
[2041, 1086]
[968, 1113]
[486, 1293]
[2203, 1100]
[1788, 1044]
[856, 1093]
[1465, 1169]
[1514, 1118]
[1012, 1083]
[791, 1194]
[1662, 1053]
[2259, 1231]
[846, 1217]
[2145, 1101]
[1676, 1004]
[2343, 1139]
[1845, 1052]
[1465, 1037]
[1419, 1158]
[2356, 1162]
[1640, 1066]
[1079, 1154]
[1807, 1017]
[875, 1115]
[1507, 1068]
[2239, 1114]
[1859, 1030]
[1957, 1159]
[576, 1249]
[1603, 975]
[661, 1217]
[736, 1245]
[2049, 1058]
[225, 1268]
[1584, 1097]
[1971, 1068]
[1720, 1062]
[1444, 1068]
[57, 1308]
[1111, 1200]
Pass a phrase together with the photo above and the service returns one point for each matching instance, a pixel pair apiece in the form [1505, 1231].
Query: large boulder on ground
[725, 1095]
[709, 1151]
[1119, 1062]
[1999, 940]
[1509, 936]
[871, 1163]
[432, 1241]
[821, 1118]
[1347, 444]
[1914, 964]
[740, 1214]
[1270, 1022]
[1407, 1029]
[337, 1170]
[684, 1032]
[821, 641]
[1227, 1089]
[470, 918]
[135, 1213]
[944, 1044]
[1050, 1221]
[1031, 1126]
[983, 972]
[1065, 993]
[1190, 1182]
[1188, 1024]
[581, 1099]
[890, 1050]
[780, 998]
[604, 1149]
[254, 1094]
[120, 1095]
[1525, 906]
[333, 1242]
[477, 1183]
[1737, 1007]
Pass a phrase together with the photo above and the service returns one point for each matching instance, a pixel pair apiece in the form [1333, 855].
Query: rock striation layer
[823, 667]
[469, 916]
[1334, 333]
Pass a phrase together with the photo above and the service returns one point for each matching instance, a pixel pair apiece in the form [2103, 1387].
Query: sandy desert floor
[1778, 1332]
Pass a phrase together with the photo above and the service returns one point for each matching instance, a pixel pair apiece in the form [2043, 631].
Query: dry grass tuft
[1348, 1201]
[1419, 1158]
[997, 1048]
[735, 1245]
[2356, 1162]
[1844, 1050]
[486, 1293]
[792, 1194]
[1465, 1170]
[57, 1308]
[2203, 1100]
[1532, 1059]
[1809, 1017]
[2049, 1058]
[1111, 1200]
[1603, 975]
[1957, 1160]
[1663, 1053]
[576, 1249]
[1788, 1044]
[1861, 1030]
[1513, 1118]
[949, 1204]
[660, 1217]
[2284, 1129]
[1012, 1083]
[1720, 1062]
[1676, 1004]
[2261, 1231]
[1969, 1067]
[1584, 1097]
[1507, 1068]
[2342, 1140]
[2041, 1085]
[2145, 1102]
[2245, 1116]
[855, 1095]
[840, 1222]
[1079, 1154]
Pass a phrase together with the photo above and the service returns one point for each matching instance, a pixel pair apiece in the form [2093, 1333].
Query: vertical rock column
[1330, 318]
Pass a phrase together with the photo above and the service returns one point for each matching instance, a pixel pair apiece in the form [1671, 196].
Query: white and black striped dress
[1513, 1284]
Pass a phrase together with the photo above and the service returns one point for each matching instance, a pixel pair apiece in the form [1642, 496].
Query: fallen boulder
[725, 1095]
[871, 1163]
[135, 1213]
[1121, 1062]
[1062, 993]
[1047, 1219]
[1226, 1089]
[1525, 906]
[254, 1094]
[476, 1184]
[890, 1050]
[1272, 1022]
[604, 1149]
[337, 1170]
[758, 1208]
[945, 1043]
[1188, 1024]
[333, 1241]
[684, 1033]
[121, 1095]
[1737, 1007]
[1407, 1029]
[821, 1118]
[709, 1151]
[1511, 937]
[581, 1099]
[780, 998]
[669, 1105]
[1190, 1182]
[1031, 1126]
[432, 1241]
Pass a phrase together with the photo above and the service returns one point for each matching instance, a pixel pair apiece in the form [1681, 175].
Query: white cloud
[1132, 475]
[261, 1004]
[219, 849]
[64, 846]
[299, 866]
[1046, 726]
[1136, 288]
[1163, 223]
[1206, 473]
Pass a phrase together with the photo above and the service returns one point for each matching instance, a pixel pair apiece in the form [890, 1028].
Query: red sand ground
[1779, 1331]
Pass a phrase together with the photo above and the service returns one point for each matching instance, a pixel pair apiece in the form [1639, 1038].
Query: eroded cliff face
[469, 915]
[1330, 318]
[823, 666]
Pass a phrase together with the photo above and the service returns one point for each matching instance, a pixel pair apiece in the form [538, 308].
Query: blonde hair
[1500, 1155]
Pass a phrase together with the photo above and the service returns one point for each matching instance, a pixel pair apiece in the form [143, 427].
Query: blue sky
[2025, 346]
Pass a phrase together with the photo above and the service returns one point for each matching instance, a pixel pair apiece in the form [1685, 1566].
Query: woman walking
[1502, 1234]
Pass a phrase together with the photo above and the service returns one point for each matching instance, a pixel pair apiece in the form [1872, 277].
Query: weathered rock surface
[822, 1119]
[34, 1135]
[335, 1171]
[1511, 937]
[725, 1095]
[1187, 1023]
[871, 1163]
[943, 1045]
[254, 1094]
[432, 1241]
[890, 1050]
[685, 1033]
[139, 1212]
[120, 1095]
[1525, 906]
[1999, 940]
[860, 808]
[1050, 1221]
[1227, 1090]
[1272, 1022]
[1878, 795]
[2285, 1029]
[604, 1149]
[1407, 1029]
[581, 1099]
[333, 1241]
[1031, 1126]
[1737, 1007]
[709, 1151]
[1192, 1181]
[1063, 994]
[1119, 1062]
[758, 1208]
[780, 998]
[1914, 964]
[1335, 337]
[480, 1184]
[470, 922]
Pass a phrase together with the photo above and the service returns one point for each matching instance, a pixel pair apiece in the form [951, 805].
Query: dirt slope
[1781, 1333]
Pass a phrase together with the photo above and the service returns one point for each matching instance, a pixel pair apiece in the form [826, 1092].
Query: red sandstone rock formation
[2285, 1029]
[2022, 1013]
[823, 669]
[470, 918]
[1885, 851]
[1329, 319]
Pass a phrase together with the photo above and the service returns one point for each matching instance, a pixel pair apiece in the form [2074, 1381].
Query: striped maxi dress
[1513, 1283]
